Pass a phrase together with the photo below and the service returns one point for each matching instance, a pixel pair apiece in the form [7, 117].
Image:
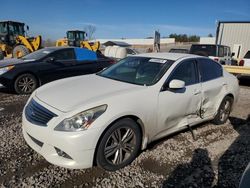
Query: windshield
[203, 50]
[3, 28]
[39, 54]
[138, 70]
[16, 29]
[70, 35]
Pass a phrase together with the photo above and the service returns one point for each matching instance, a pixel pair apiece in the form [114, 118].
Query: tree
[184, 38]
[90, 30]
[193, 38]
[210, 35]
[48, 42]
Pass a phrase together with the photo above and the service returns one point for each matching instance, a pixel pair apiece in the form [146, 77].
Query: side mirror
[232, 54]
[51, 59]
[27, 28]
[176, 84]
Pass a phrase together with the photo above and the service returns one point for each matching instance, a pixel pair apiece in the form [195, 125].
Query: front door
[180, 107]
[61, 67]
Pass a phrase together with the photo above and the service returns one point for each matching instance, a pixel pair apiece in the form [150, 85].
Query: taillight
[216, 59]
[241, 63]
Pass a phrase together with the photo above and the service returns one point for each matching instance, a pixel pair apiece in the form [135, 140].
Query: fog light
[62, 153]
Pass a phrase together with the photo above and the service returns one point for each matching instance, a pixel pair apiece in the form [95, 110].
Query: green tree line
[184, 38]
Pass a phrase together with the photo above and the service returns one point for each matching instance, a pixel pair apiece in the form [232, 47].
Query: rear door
[86, 62]
[213, 86]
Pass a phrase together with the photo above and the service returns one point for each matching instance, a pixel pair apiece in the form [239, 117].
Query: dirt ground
[216, 159]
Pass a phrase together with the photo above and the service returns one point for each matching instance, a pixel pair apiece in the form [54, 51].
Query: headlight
[6, 69]
[82, 120]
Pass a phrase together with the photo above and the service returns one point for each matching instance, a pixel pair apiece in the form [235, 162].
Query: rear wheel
[223, 111]
[20, 51]
[1, 55]
[119, 145]
[25, 84]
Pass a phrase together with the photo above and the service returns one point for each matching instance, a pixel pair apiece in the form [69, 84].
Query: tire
[223, 111]
[20, 51]
[1, 55]
[25, 84]
[122, 149]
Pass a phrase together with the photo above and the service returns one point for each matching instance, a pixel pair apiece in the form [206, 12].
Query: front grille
[39, 143]
[37, 114]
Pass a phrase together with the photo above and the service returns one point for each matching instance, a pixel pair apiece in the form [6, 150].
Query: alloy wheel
[26, 84]
[120, 145]
[225, 110]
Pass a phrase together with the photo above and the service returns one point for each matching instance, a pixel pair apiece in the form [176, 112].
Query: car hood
[13, 61]
[70, 93]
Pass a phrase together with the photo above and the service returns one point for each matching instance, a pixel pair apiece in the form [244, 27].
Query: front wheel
[25, 84]
[119, 145]
[223, 111]
[20, 51]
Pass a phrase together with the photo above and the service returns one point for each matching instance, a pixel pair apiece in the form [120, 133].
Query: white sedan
[104, 119]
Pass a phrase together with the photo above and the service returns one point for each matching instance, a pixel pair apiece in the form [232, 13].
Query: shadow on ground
[236, 158]
[244, 81]
[197, 173]
[231, 165]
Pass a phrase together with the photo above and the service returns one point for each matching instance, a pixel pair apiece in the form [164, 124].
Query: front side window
[70, 36]
[39, 54]
[138, 70]
[82, 36]
[209, 69]
[186, 72]
[220, 51]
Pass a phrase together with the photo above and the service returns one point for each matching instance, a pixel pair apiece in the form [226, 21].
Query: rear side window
[247, 56]
[203, 50]
[209, 69]
[186, 72]
[66, 54]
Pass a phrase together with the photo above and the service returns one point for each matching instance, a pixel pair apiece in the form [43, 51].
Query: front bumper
[80, 146]
[5, 82]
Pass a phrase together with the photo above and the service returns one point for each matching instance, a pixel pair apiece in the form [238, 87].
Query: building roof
[117, 43]
[234, 22]
[165, 55]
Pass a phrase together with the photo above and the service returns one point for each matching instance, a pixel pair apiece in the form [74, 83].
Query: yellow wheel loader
[77, 38]
[14, 43]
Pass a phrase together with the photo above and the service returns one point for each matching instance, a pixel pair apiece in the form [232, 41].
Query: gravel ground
[216, 159]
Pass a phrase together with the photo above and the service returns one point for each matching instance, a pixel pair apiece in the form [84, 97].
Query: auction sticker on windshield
[158, 60]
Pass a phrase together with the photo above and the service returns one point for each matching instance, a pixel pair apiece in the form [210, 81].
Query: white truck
[246, 60]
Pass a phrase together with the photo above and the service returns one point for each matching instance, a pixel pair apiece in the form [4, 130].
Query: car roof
[209, 45]
[59, 47]
[166, 55]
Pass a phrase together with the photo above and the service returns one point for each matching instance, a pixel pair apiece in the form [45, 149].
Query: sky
[124, 18]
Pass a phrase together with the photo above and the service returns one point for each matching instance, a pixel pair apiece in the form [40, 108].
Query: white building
[138, 42]
[234, 34]
[207, 40]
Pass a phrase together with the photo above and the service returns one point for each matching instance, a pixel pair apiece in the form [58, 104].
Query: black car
[24, 75]
[179, 50]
